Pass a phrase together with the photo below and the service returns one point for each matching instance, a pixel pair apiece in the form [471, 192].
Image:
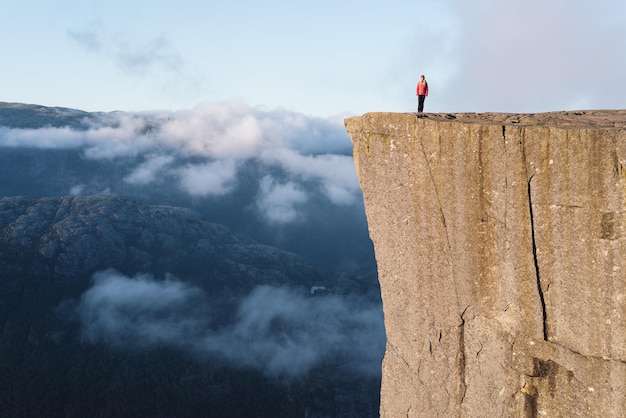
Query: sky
[325, 58]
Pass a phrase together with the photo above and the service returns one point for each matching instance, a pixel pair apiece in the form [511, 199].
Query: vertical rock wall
[501, 248]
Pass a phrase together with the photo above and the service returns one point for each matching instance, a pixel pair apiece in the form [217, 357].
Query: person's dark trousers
[420, 103]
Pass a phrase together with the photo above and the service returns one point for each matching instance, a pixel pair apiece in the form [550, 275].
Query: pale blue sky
[319, 58]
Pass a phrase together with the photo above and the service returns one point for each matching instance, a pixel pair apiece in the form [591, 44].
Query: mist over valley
[222, 245]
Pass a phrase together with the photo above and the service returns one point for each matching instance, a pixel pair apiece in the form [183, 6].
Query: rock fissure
[462, 385]
[583, 356]
[536, 260]
[434, 183]
[462, 362]
[480, 349]
[506, 180]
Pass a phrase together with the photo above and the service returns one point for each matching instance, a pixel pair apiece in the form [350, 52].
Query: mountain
[30, 116]
[208, 262]
[70, 238]
[104, 296]
[283, 192]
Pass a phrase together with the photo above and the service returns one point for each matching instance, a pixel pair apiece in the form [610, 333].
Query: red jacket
[422, 89]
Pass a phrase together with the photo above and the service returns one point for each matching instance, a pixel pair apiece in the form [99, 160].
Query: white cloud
[288, 333]
[147, 171]
[279, 203]
[336, 173]
[228, 130]
[277, 330]
[117, 308]
[212, 130]
[529, 56]
[126, 137]
[45, 138]
[214, 178]
[202, 148]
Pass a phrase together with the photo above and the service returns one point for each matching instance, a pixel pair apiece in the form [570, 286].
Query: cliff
[501, 248]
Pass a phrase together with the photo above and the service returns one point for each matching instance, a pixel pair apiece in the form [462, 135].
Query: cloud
[200, 151]
[137, 58]
[155, 53]
[527, 56]
[277, 330]
[336, 173]
[212, 130]
[77, 190]
[89, 39]
[289, 333]
[153, 61]
[229, 130]
[140, 311]
[123, 135]
[146, 172]
[279, 203]
[214, 178]
[45, 138]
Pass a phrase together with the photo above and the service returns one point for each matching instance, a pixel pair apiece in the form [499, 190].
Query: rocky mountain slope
[110, 307]
[67, 239]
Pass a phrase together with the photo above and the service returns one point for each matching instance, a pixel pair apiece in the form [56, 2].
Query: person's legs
[420, 103]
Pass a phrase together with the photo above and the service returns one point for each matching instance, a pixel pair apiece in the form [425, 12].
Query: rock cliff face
[501, 247]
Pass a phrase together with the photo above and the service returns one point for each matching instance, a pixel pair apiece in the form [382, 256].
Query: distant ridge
[33, 116]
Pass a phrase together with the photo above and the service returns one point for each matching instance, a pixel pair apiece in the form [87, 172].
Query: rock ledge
[501, 248]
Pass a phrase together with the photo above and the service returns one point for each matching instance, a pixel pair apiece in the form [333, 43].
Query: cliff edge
[501, 248]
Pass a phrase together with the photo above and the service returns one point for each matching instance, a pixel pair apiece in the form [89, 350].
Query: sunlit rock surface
[500, 243]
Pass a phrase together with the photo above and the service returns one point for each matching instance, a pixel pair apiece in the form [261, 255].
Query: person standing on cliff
[421, 91]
